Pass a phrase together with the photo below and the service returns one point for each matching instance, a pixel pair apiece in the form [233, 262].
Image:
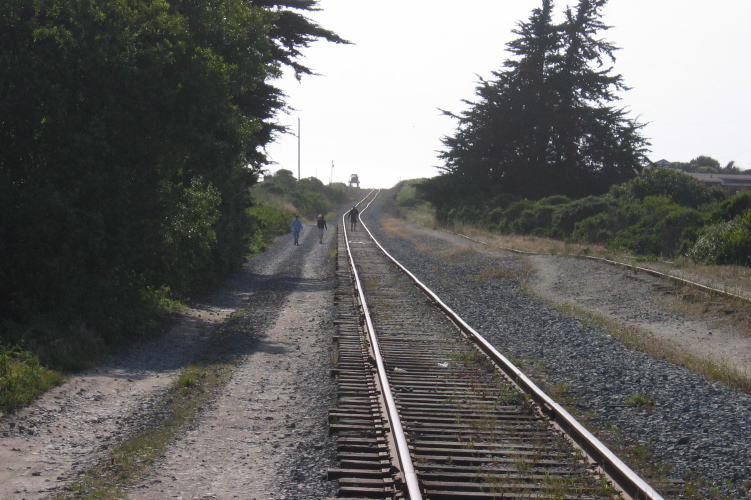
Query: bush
[555, 200]
[726, 242]
[681, 188]
[267, 223]
[23, 378]
[536, 217]
[660, 230]
[596, 229]
[566, 216]
[732, 207]
[512, 213]
[407, 195]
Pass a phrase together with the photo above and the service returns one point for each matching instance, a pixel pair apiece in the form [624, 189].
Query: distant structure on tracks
[354, 180]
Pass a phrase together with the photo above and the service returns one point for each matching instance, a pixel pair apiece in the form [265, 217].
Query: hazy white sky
[375, 108]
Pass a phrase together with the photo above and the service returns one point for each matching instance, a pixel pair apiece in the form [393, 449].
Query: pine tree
[595, 144]
[545, 125]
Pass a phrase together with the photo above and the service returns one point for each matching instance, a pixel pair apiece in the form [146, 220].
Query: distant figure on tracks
[321, 228]
[353, 214]
[296, 228]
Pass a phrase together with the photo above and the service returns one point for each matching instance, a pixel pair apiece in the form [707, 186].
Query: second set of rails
[428, 409]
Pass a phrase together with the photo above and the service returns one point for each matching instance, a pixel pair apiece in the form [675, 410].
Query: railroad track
[426, 410]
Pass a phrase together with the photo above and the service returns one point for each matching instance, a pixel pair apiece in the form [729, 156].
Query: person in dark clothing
[321, 228]
[353, 215]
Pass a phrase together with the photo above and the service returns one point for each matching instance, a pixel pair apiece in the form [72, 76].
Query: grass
[128, 462]
[644, 401]
[23, 378]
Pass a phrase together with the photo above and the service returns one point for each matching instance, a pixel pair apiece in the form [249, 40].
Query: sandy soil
[641, 301]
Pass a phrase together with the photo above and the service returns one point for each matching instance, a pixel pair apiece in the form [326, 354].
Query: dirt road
[265, 434]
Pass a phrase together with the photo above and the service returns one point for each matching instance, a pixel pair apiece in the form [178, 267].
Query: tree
[544, 125]
[595, 144]
[131, 132]
[504, 135]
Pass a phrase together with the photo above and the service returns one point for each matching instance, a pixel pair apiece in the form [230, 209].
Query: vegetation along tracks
[428, 409]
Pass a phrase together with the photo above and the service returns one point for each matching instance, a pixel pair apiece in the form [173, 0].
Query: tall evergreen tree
[503, 135]
[595, 144]
[544, 124]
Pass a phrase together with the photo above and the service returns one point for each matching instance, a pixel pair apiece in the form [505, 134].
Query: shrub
[566, 216]
[512, 213]
[23, 378]
[676, 224]
[407, 196]
[726, 242]
[596, 229]
[660, 230]
[681, 188]
[732, 207]
[536, 217]
[555, 200]
[266, 224]
[503, 201]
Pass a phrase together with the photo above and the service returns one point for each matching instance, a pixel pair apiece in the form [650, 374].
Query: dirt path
[49, 444]
[638, 300]
[273, 410]
[287, 290]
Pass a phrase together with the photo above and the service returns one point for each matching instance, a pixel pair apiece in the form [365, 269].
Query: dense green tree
[706, 162]
[131, 132]
[545, 124]
[504, 135]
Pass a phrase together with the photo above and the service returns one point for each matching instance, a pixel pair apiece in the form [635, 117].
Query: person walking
[353, 214]
[296, 228]
[321, 228]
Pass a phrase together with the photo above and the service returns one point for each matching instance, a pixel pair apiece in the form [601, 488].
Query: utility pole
[298, 148]
[331, 177]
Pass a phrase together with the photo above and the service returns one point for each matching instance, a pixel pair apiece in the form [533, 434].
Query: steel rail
[625, 478]
[397, 431]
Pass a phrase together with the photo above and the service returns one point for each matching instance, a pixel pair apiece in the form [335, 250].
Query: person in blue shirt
[296, 228]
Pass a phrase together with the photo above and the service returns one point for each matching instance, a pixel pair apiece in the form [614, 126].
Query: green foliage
[568, 215]
[726, 242]
[555, 200]
[660, 230]
[641, 216]
[407, 194]
[544, 125]
[23, 378]
[682, 188]
[308, 197]
[132, 131]
[267, 223]
[732, 207]
[598, 228]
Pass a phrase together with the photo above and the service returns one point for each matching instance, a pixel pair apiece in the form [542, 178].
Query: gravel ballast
[693, 426]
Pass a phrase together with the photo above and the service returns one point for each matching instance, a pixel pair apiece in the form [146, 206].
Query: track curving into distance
[430, 410]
